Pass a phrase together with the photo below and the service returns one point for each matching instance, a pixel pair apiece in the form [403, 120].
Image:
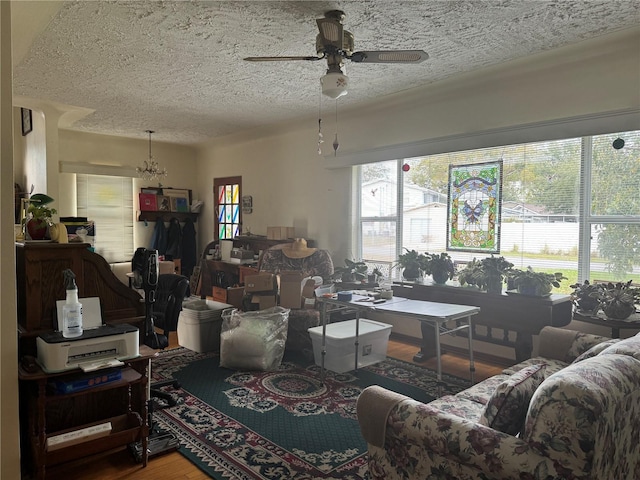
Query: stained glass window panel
[229, 215]
[474, 207]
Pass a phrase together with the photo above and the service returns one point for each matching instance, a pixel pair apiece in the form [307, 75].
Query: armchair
[310, 262]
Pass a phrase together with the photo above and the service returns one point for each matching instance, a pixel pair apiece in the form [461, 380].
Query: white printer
[99, 346]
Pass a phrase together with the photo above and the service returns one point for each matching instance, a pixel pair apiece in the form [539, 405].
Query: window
[108, 201]
[227, 195]
[568, 205]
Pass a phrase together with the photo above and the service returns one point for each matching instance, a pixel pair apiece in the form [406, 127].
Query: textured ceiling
[177, 67]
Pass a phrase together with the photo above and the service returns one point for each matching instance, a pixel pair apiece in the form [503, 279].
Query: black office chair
[171, 291]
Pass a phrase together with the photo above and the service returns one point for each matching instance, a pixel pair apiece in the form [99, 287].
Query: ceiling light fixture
[334, 84]
[150, 168]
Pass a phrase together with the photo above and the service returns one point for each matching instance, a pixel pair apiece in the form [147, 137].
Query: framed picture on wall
[164, 204]
[179, 204]
[27, 126]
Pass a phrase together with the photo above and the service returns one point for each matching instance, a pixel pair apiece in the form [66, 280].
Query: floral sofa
[572, 412]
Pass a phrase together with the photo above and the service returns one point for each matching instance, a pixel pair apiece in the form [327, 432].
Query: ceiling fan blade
[389, 56]
[330, 32]
[279, 59]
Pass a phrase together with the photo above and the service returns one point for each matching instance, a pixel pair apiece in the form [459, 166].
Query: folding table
[433, 313]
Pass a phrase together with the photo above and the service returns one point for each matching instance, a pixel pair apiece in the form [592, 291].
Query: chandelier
[150, 169]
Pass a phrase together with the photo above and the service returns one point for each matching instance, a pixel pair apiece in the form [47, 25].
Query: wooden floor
[173, 466]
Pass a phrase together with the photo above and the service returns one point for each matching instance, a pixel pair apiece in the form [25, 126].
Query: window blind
[569, 205]
[108, 201]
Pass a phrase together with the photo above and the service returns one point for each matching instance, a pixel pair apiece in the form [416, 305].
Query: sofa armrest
[565, 345]
[373, 407]
[555, 342]
[434, 439]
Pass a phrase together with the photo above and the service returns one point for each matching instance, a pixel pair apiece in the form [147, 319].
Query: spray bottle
[72, 310]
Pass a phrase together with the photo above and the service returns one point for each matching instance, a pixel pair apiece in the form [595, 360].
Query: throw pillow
[507, 408]
[595, 350]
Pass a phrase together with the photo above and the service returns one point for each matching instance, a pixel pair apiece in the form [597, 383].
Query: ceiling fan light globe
[334, 84]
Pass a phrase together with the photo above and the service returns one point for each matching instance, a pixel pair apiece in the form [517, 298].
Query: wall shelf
[152, 216]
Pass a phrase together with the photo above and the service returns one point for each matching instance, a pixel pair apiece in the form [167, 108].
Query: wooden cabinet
[522, 314]
[234, 273]
[40, 284]
[122, 402]
[258, 242]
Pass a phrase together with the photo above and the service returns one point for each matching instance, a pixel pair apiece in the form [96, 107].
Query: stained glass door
[227, 192]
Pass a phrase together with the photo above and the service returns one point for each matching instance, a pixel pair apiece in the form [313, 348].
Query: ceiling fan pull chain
[320, 136]
[335, 141]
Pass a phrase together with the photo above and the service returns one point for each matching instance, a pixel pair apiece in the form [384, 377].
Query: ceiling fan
[335, 44]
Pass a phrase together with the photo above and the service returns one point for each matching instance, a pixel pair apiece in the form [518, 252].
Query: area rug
[283, 424]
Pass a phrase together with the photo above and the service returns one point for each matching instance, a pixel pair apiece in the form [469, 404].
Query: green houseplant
[487, 274]
[439, 266]
[412, 263]
[618, 300]
[537, 284]
[353, 271]
[39, 215]
[585, 296]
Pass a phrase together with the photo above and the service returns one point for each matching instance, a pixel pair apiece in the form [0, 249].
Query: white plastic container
[199, 325]
[373, 338]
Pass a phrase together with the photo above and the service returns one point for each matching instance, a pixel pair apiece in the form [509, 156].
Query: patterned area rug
[283, 424]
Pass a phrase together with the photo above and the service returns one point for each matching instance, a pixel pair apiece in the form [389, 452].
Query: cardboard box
[235, 296]
[264, 301]
[230, 295]
[76, 437]
[290, 289]
[219, 294]
[262, 282]
[242, 254]
[280, 233]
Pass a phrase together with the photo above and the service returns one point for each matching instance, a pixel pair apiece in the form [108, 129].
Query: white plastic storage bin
[373, 338]
[199, 325]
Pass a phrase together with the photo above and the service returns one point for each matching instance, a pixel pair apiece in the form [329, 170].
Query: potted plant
[536, 284]
[40, 215]
[618, 300]
[585, 296]
[439, 266]
[412, 263]
[375, 276]
[487, 274]
[353, 271]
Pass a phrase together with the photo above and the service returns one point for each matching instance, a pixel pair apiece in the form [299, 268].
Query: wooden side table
[633, 322]
[122, 402]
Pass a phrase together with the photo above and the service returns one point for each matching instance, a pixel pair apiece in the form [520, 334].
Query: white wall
[289, 184]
